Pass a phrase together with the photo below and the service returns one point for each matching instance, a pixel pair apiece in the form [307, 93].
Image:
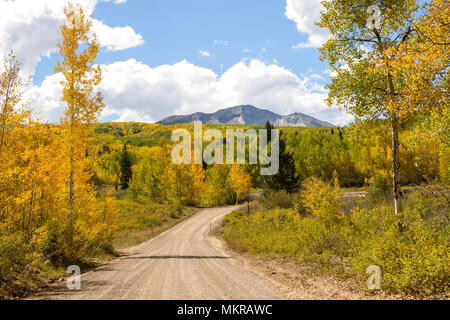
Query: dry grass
[138, 222]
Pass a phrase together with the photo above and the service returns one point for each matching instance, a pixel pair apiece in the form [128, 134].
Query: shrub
[322, 201]
[16, 263]
[412, 260]
[270, 232]
[278, 199]
[415, 260]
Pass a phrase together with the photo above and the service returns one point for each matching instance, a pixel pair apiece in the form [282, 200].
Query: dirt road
[178, 264]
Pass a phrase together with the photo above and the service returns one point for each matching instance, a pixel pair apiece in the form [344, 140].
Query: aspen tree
[78, 48]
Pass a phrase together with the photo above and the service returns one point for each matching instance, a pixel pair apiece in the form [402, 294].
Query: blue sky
[164, 57]
[177, 29]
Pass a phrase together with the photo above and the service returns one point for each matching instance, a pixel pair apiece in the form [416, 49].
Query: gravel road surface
[180, 264]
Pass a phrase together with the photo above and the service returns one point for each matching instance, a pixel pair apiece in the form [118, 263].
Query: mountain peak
[247, 115]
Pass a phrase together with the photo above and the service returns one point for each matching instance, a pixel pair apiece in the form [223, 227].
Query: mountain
[248, 115]
[301, 120]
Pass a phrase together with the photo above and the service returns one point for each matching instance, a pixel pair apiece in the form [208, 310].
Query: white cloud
[117, 38]
[137, 92]
[31, 29]
[305, 13]
[204, 53]
[45, 100]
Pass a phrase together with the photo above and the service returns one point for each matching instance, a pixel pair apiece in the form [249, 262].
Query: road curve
[179, 264]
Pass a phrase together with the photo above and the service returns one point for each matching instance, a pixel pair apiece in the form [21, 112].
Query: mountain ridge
[247, 115]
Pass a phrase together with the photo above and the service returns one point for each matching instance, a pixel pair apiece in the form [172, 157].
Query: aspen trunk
[395, 163]
[71, 198]
[33, 205]
[71, 193]
[4, 115]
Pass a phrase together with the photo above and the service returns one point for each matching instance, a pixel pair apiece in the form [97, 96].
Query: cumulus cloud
[137, 92]
[46, 99]
[305, 14]
[31, 29]
[117, 38]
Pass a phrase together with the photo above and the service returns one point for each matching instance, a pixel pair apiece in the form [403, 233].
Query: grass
[26, 284]
[138, 222]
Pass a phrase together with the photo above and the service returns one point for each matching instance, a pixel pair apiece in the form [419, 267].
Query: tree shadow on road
[175, 257]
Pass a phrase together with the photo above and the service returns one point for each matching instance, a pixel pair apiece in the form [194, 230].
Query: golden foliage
[322, 200]
[415, 261]
[240, 182]
[40, 163]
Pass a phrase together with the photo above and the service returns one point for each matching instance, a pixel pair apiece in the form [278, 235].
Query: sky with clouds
[165, 57]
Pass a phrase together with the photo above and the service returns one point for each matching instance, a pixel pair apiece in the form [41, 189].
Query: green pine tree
[286, 178]
[126, 163]
[269, 128]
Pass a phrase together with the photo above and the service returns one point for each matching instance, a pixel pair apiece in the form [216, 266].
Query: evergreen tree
[126, 173]
[286, 178]
[269, 128]
[341, 135]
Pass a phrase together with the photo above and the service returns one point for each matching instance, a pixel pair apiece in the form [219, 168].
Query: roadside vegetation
[313, 226]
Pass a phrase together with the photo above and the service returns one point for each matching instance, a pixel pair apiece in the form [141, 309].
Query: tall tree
[286, 178]
[269, 128]
[423, 60]
[218, 191]
[78, 48]
[126, 172]
[11, 89]
[197, 184]
[180, 181]
[14, 147]
[364, 80]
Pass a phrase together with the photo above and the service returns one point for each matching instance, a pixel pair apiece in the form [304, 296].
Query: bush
[413, 260]
[278, 199]
[322, 201]
[13, 256]
[16, 263]
[262, 232]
